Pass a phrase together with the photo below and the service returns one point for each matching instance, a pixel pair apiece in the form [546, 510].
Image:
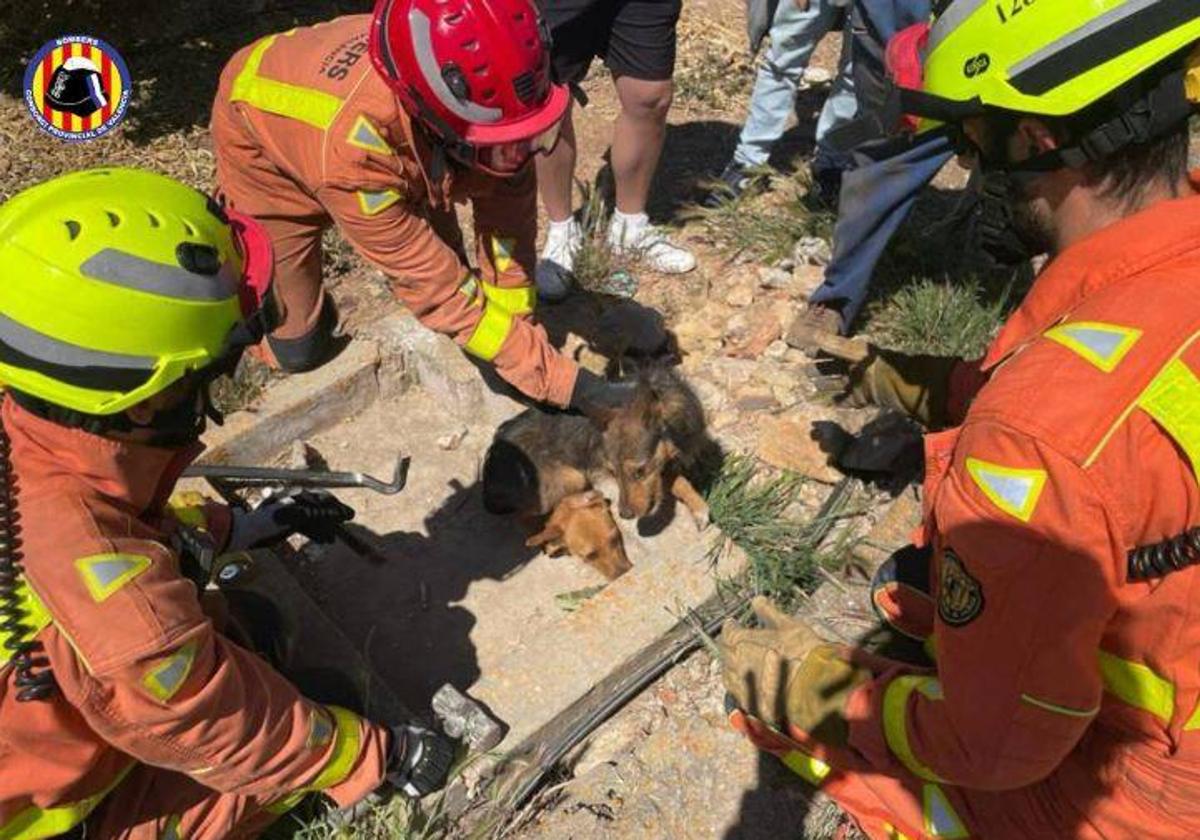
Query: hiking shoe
[732, 183]
[817, 319]
[554, 272]
[640, 239]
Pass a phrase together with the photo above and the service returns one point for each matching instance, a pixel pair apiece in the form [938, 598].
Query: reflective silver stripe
[950, 20]
[423, 49]
[47, 349]
[1131, 7]
[133, 272]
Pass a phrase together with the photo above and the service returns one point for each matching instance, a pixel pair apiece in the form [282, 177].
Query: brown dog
[582, 526]
[538, 458]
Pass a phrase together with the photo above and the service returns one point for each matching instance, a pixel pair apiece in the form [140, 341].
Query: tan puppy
[583, 526]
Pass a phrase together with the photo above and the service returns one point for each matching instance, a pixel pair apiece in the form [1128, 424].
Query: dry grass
[713, 68]
[765, 228]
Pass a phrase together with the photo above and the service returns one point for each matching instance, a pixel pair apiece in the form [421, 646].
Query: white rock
[812, 250]
[453, 439]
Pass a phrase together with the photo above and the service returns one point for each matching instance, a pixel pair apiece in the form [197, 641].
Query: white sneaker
[649, 244]
[556, 265]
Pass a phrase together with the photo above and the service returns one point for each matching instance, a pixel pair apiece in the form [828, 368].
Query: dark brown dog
[539, 457]
[582, 526]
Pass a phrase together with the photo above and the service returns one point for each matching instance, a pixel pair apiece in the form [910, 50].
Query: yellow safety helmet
[116, 283]
[1045, 56]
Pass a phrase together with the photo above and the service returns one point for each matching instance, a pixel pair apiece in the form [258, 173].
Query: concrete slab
[462, 600]
[297, 407]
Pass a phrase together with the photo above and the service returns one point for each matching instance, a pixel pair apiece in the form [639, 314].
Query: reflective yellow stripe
[1112, 430]
[307, 105]
[1173, 400]
[188, 509]
[1057, 709]
[34, 822]
[36, 618]
[516, 300]
[1194, 721]
[346, 747]
[895, 720]
[1137, 685]
[812, 770]
[490, 333]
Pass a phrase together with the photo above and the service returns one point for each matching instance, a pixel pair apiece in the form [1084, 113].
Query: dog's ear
[549, 536]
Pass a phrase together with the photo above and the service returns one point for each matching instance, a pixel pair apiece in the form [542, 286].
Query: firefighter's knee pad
[311, 350]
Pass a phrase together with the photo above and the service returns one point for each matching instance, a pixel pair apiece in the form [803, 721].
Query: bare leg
[556, 173]
[683, 490]
[638, 137]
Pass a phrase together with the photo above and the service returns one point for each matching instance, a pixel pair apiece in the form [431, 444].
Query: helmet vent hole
[455, 79]
[113, 218]
[155, 222]
[190, 228]
[526, 87]
[453, 18]
[198, 259]
[471, 46]
[73, 229]
[489, 94]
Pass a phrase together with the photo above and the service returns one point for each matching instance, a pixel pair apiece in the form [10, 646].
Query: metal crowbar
[270, 476]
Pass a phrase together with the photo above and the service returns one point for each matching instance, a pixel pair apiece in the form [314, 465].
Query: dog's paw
[702, 518]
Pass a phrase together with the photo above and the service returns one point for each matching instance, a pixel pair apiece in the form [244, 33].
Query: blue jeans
[880, 190]
[877, 195]
[794, 36]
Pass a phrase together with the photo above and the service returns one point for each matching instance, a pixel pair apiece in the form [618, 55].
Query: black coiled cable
[34, 678]
[1160, 559]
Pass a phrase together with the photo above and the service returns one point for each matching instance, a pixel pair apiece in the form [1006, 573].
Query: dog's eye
[638, 473]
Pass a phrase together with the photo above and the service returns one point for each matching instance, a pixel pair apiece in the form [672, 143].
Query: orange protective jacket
[142, 676]
[304, 124]
[1066, 698]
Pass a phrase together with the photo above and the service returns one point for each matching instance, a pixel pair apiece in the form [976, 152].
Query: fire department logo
[960, 597]
[77, 88]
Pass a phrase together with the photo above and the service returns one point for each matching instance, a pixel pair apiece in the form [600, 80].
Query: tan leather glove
[784, 675]
[860, 374]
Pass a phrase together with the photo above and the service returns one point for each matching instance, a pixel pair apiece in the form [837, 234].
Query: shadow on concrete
[407, 617]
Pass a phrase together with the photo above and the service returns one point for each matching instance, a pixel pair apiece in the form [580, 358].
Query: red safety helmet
[473, 72]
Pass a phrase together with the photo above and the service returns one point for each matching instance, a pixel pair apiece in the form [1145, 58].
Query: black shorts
[635, 38]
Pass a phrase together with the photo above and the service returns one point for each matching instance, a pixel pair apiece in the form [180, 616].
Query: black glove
[597, 397]
[419, 760]
[313, 513]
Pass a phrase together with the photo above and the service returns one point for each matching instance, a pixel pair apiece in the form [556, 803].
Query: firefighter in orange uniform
[1063, 514]
[123, 712]
[378, 125]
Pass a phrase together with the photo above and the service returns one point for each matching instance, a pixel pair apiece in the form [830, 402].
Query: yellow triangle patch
[940, 818]
[1104, 345]
[365, 136]
[104, 574]
[1014, 491]
[165, 679]
[375, 202]
[502, 252]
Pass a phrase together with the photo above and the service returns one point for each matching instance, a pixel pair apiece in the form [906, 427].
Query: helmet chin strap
[1146, 117]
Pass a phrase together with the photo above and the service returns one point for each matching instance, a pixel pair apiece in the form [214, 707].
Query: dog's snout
[627, 512]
